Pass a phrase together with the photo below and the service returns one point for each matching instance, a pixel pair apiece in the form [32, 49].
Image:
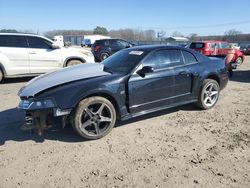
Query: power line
[201, 26]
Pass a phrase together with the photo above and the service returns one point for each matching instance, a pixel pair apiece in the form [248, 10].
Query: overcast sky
[186, 16]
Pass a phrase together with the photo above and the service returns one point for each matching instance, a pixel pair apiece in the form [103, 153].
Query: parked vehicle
[59, 40]
[102, 49]
[29, 55]
[217, 48]
[234, 45]
[245, 49]
[132, 82]
[89, 40]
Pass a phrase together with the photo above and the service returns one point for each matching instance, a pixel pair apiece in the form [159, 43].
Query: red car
[209, 48]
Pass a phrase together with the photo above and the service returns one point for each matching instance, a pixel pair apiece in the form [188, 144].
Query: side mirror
[130, 45]
[55, 46]
[147, 69]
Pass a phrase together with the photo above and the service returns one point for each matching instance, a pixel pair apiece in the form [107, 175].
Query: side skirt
[22, 75]
[129, 116]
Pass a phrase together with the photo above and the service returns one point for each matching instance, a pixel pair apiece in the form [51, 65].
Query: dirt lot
[182, 147]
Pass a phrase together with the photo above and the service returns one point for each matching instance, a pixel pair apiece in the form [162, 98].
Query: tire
[73, 62]
[209, 94]
[94, 118]
[1, 76]
[239, 61]
[97, 60]
[104, 56]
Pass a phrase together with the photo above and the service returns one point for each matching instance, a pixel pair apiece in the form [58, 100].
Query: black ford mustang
[132, 82]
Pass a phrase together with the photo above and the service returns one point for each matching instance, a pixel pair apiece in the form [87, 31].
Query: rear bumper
[223, 80]
[97, 55]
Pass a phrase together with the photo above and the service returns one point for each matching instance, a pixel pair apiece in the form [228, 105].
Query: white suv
[30, 55]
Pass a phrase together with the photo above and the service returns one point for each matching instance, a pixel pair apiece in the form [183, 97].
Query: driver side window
[164, 59]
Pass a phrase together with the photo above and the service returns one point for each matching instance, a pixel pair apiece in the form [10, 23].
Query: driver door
[155, 89]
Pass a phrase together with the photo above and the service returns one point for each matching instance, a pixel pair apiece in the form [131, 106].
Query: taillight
[97, 47]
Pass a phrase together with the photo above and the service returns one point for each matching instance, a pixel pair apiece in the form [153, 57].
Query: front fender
[115, 92]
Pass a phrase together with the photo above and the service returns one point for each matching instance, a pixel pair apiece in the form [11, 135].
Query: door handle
[183, 72]
[33, 52]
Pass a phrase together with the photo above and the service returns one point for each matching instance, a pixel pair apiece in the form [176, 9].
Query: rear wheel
[94, 118]
[73, 62]
[1, 75]
[209, 94]
[104, 56]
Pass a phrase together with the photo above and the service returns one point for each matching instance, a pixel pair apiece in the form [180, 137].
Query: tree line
[127, 34]
[140, 35]
[151, 35]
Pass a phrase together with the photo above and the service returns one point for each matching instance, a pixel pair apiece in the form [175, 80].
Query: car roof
[22, 34]
[155, 47]
[110, 39]
[26, 34]
[208, 41]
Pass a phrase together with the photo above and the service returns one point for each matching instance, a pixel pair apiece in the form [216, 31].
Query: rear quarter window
[197, 45]
[106, 43]
[189, 57]
[102, 42]
[13, 41]
[113, 43]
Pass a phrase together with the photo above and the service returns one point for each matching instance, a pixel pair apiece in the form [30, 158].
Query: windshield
[124, 61]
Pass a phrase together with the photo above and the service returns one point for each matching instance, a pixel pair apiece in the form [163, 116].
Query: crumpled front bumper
[39, 117]
[38, 120]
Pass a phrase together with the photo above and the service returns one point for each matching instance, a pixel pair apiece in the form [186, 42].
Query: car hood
[62, 76]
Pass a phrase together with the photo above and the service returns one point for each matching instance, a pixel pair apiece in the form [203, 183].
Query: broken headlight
[35, 105]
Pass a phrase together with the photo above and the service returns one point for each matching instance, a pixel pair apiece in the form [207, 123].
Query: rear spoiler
[217, 56]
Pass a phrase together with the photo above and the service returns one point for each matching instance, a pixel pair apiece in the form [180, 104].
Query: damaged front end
[38, 100]
[42, 114]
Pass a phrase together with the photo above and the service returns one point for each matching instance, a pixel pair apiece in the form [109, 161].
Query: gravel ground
[181, 147]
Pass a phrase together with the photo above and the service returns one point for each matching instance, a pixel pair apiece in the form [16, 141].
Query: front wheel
[94, 118]
[73, 62]
[209, 94]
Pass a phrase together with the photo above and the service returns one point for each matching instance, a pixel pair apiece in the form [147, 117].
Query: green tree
[100, 31]
[8, 31]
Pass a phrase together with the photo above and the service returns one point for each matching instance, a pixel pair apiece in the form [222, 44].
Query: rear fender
[3, 69]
